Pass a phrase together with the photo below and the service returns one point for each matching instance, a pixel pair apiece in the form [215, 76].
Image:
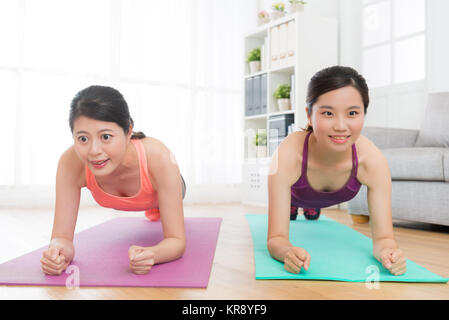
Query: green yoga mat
[337, 253]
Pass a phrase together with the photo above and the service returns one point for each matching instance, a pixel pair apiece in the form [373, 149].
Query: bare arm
[379, 203]
[378, 181]
[278, 209]
[61, 251]
[166, 180]
[68, 194]
[284, 171]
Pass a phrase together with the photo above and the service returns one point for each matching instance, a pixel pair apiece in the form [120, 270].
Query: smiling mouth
[339, 139]
[99, 164]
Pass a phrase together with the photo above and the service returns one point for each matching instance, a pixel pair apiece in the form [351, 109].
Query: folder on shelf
[256, 95]
[278, 127]
[249, 97]
[263, 93]
[292, 91]
[267, 51]
[283, 38]
[291, 41]
[274, 47]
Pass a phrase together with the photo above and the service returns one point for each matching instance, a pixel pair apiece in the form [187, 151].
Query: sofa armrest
[385, 138]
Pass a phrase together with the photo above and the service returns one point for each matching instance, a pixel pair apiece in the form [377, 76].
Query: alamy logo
[372, 281]
[73, 280]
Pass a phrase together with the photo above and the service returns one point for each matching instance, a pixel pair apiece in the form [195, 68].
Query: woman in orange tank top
[123, 170]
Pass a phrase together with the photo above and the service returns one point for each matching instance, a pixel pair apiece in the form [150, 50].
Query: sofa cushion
[391, 137]
[425, 164]
[446, 165]
[434, 128]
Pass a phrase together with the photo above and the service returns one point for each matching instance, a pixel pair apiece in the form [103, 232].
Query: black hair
[333, 78]
[104, 104]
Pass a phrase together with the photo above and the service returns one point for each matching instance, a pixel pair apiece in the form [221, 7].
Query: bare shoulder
[155, 150]
[71, 168]
[159, 156]
[372, 162]
[367, 152]
[288, 156]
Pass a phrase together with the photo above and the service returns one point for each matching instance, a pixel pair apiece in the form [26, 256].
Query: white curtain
[179, 65]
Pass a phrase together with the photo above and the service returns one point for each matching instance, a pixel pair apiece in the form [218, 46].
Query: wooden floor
[232, 275]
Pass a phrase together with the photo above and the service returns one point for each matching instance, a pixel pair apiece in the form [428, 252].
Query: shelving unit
[307, 44]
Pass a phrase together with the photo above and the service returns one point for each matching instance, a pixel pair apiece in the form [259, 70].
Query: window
[393, 41]
[178, 64]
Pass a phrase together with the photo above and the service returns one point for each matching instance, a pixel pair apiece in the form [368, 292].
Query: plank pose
[325, 165]
[123, 170]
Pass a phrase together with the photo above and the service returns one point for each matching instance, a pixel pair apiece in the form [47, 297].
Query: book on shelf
[283, 43]
[256, 95]
[292, 91]
[263, 93]
[291, 41]
[249, 96]
[264, 54]
[279, 126]
[274, 47]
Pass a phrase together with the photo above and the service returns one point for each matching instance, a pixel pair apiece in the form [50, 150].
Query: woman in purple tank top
[327, 164]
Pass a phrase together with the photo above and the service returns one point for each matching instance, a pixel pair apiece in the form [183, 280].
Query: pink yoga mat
[101, 257]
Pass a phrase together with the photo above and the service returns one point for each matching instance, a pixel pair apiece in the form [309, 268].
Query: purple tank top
[304, 196]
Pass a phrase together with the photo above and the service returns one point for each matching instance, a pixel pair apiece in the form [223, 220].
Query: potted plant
[263, 17]
[282, 94]
[278, 10]
[260, 141]
[254, 60]
[296, 5]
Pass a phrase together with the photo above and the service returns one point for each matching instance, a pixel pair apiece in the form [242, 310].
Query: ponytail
[308, 128]
[136, 135]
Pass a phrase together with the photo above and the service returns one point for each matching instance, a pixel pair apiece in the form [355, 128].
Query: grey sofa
[419, 166]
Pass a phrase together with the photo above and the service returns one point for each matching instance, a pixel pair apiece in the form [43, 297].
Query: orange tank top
[145, 199]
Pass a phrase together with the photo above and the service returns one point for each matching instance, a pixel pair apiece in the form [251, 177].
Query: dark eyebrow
[102, 130]
[332, 108]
